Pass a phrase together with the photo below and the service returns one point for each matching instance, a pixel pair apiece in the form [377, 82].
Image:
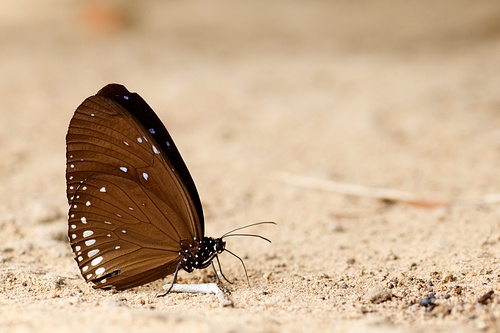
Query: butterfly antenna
[248, 235]
[248, 226]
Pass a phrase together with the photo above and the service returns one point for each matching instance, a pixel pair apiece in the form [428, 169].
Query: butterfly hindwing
[129, 204]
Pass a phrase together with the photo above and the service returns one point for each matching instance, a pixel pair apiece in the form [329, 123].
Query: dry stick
[357, 190]
[490, 198]
[203, 288]
[485, 199]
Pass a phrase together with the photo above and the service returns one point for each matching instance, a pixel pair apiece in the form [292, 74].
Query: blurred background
[396, 94]
[381, 93]
[291, 81]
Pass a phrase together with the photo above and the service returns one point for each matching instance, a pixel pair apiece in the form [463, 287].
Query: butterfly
[135, 215]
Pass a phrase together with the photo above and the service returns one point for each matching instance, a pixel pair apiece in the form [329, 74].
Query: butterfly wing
[132, 199]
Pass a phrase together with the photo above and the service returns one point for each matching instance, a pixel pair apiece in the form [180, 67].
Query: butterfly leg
[220, 271]
[219, 282]
[173, 282]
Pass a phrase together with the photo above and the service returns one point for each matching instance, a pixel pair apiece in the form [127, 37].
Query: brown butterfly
[135, 215]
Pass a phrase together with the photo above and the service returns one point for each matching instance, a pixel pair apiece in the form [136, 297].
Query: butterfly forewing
[129, 204]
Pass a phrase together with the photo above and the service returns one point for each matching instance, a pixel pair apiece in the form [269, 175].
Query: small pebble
[378, 295]
[428, 302]
[484, 299]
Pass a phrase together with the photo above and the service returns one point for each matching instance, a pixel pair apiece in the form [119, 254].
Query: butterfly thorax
[199, 254]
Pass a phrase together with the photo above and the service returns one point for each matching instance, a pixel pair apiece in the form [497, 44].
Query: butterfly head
[219, 245]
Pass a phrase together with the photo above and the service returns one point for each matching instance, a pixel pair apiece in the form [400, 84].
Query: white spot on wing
[152, 130]
[124, 169]
[85, 268]
[73, 236]
[78, 248]
[106, 222]
[96, 261]
[145, 175]
[87, 203]
[92, 253]
[84, 220]
[124, 231]
[156, 151]
[117, 247]
[72, 166]
[103, 189]
[139, 139]
[126, 143]
[100, 271]
[87, 233]
[73, 226]
[90, 242]
[125, 97]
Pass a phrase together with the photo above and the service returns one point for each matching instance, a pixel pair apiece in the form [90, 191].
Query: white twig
[356, 190]
[203, 288]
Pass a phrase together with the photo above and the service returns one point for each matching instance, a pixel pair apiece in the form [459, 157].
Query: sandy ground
[377, 94]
